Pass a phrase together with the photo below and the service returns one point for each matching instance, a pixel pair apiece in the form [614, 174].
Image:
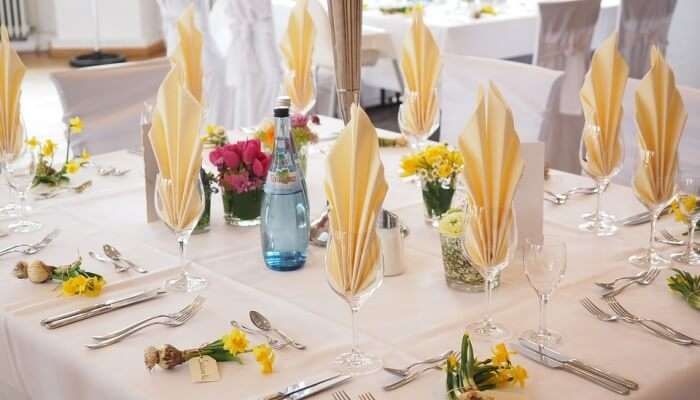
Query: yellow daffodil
[409, 165]
[436, 162]
[76, 125]
[93, 286]
[683, 206]
[519, 375]
[74, 286]
[501, 354]
[235, 342]
[72, 167]
[32, 142]
[265, 357]
[452, 362]
[48, 148]
[85, 156]
[445, 170]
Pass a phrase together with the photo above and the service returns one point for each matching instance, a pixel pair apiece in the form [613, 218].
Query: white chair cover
[525, 88]
[170, 12]
[689, 148]
[252, 68]
[642, 24]
[109, 99]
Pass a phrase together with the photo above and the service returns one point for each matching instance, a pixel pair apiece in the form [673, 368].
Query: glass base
[600, 227]
[356, 363]
[603, 216]
[546, 338]
[186, 283]
[242, 222]
[24, 226]
[685, 258]
[488, 330]
[475, 287]
[648, 260]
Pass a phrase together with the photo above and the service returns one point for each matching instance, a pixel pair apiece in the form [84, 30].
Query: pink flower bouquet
[242, 165]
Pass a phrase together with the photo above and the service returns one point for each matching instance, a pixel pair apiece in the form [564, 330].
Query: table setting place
[441, 247]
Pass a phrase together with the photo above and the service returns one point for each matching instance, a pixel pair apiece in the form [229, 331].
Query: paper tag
[203, 369]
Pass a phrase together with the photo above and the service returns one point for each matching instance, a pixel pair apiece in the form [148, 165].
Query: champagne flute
[655, 196]
[601, 161]
[544, 262]
[688, 195]
[355, 286]
[411, 123]
[181, 219]
[490, 255]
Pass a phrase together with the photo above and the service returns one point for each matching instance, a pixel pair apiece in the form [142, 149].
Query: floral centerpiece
[687, 285]
[46, 173]
[468, 376]
[74, 280]
[242, 168]
[437, 167]
[228, 348]
[302, 135]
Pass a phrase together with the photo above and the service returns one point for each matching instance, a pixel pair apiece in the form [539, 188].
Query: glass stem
[544, 300]
[598, 216]
[181, 243]
[489, 291]
[652, 251]
[691, 237]
[21, 213]
[355, 331]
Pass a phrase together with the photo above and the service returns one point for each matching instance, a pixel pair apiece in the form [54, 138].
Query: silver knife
[552, 363]
[568, 360]
[92, 307]
[641, 218]
[314, 390]
[149, 295]
[301, 387]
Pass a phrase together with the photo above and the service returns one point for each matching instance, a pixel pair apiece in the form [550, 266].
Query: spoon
[120, 172]
[118, 267]
[115, 255]
[263, 323]
[105, 171]
[77, 189]
[274, 343]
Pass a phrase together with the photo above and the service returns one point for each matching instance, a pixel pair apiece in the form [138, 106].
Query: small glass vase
[203, 224]
[437, 198]
[459, 273]
[242, 209]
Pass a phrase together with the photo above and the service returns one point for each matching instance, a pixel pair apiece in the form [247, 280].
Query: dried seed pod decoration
[20, 270]
[38, 272]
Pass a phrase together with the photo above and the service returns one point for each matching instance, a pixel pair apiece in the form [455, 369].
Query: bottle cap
[281, 109]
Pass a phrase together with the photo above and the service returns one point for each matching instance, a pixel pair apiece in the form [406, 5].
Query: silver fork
[668, 238]
[623, 312]
[407, 370]
[648, 277]
[175, 322]
[30, 249]
[366, 396]
[341, 395]
[603, 316]
[611, 285]
[564, 196]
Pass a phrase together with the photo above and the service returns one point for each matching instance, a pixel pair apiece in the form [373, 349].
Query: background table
[410, 317]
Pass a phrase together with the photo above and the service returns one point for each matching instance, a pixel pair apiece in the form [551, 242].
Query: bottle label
[283, 181]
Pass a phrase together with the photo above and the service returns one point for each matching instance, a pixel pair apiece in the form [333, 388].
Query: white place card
[529, 197]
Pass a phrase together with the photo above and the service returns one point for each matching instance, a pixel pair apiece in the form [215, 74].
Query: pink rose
[258, 169]
[251, 151]
[238, 182]
[216, 157]
[231, 159]
[299, 120]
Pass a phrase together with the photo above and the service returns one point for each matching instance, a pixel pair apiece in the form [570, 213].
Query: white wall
[683, 51]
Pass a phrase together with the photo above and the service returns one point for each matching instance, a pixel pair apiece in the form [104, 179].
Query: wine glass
[489, 254]
[354, 285]
[415, 123]
[601, 161]
[300, 105]
[181, 219]
[544, 262]
[688, 195]
[655, 196]
[19, 173]
[12, 209]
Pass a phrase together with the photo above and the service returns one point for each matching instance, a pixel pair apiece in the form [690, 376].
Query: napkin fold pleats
[188, 54]
[12, 72]
[420, 65]
[355, 187]
[493, 166]
[661, 118]
[297, 47]
[601, 98]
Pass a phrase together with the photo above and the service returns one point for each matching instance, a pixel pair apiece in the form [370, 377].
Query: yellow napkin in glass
[661, 117]
[492, 168]
[355, 188]
[298, 47]
[189, 53]
[177, 148]
[420, 65]
[601, 99]
[12, 72]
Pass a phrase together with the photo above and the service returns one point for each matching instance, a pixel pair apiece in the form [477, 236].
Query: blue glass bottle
[285, 209]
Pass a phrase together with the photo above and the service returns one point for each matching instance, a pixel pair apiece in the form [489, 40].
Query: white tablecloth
[410, 317]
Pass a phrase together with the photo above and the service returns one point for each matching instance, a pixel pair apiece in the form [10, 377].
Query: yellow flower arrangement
[74, 280]
[46, 172]
[48, 148]
[74, 286]
[75, 125]
[435, 163]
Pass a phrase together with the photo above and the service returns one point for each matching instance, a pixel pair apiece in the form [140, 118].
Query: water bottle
[285, 209]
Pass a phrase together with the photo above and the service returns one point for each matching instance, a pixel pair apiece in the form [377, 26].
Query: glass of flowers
[687, 209]
[437, 167]
[242, 168]
[419, 117]
[302, 135]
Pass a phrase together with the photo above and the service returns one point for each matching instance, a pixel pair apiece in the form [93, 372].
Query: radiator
[13, 14]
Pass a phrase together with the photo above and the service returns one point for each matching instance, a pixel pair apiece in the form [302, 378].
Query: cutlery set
[114, 257]
[562, 198]
[266, 330]
[77, 189]
[411, 372]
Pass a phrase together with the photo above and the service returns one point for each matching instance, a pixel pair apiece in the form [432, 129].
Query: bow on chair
[571, 44]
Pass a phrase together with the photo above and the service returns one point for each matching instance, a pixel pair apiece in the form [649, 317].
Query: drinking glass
[544, 262]
[12, 209]
[355, 287]
[655, 202]
[688, 195]
[182, 224]
[308, 104]
[411, 125]
[489, 255]
[601, 161]
[19, 173]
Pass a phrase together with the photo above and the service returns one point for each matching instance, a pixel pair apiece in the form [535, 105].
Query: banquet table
[411, 317]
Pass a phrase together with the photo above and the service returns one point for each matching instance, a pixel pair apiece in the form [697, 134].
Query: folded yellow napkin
[661, 117]
[601, 98]
[492, 168]
[298, 47]
[12, 70]
[177, 148]
[189, 53]
[420, 65]
[355, 188]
